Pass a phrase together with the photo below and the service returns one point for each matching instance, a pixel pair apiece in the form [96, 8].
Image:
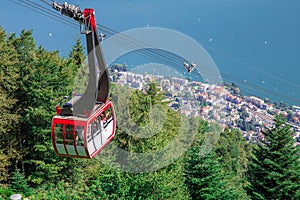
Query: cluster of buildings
[215, 103]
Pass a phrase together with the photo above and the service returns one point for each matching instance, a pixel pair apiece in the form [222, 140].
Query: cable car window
[69, 128]
[95, 126]
[106, 117]
[59, 133]
[108, 113]
[89, 133]
[69, 134]
[79, 135]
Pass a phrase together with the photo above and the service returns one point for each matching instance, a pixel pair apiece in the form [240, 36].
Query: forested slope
[33, 80]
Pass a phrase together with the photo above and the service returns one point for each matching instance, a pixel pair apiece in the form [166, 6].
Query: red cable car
[86, 123]
[81, 136]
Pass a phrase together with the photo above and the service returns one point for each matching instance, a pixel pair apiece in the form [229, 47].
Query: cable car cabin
[84, 137]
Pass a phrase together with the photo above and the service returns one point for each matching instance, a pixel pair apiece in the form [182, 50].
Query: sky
[256, 41]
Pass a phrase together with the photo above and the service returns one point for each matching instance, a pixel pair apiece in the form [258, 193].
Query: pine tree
[145, 121]
[146, 114]
[204, 175]
[9, 138]
[44, 79]
[166, 183]
[19, 183]
[77, 55]
[274, 172]
[80, 70]
[234, 152]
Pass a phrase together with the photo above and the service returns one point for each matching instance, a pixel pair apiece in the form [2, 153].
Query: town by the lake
[217, 103]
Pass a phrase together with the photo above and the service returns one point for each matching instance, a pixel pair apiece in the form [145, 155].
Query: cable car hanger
[97, 90]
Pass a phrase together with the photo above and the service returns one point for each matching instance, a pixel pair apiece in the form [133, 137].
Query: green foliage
[77, 53]
[166, 183]
[141, 103]
[32, 82]
[8, 116]
[19, 183]
[77, 58]
[204, 174]
[274, 172]
[5, 192]
[44, 78]
[234, 153]
[146, 123]
[202, 170]
[4, 164]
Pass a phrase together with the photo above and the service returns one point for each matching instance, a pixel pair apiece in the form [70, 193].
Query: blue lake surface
[254, 43]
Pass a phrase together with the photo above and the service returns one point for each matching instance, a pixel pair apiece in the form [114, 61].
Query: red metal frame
[90, 17]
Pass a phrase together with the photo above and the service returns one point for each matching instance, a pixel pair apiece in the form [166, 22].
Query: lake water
[254, 43]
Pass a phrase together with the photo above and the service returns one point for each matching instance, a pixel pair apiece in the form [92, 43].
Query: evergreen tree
[80, 72]
[166, 183]
[204, 176]
[77, 55]
[147, 125]
[44, 79]
[145, 121]
[19, 183]
[9, 138]
[274, 172]
[234, 152]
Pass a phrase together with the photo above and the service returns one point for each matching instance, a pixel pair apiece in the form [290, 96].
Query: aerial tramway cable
[36, 7]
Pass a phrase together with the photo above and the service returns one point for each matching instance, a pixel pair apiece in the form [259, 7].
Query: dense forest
[33, 80]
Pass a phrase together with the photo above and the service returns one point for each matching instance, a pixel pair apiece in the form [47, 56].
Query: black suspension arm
[97, 90]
